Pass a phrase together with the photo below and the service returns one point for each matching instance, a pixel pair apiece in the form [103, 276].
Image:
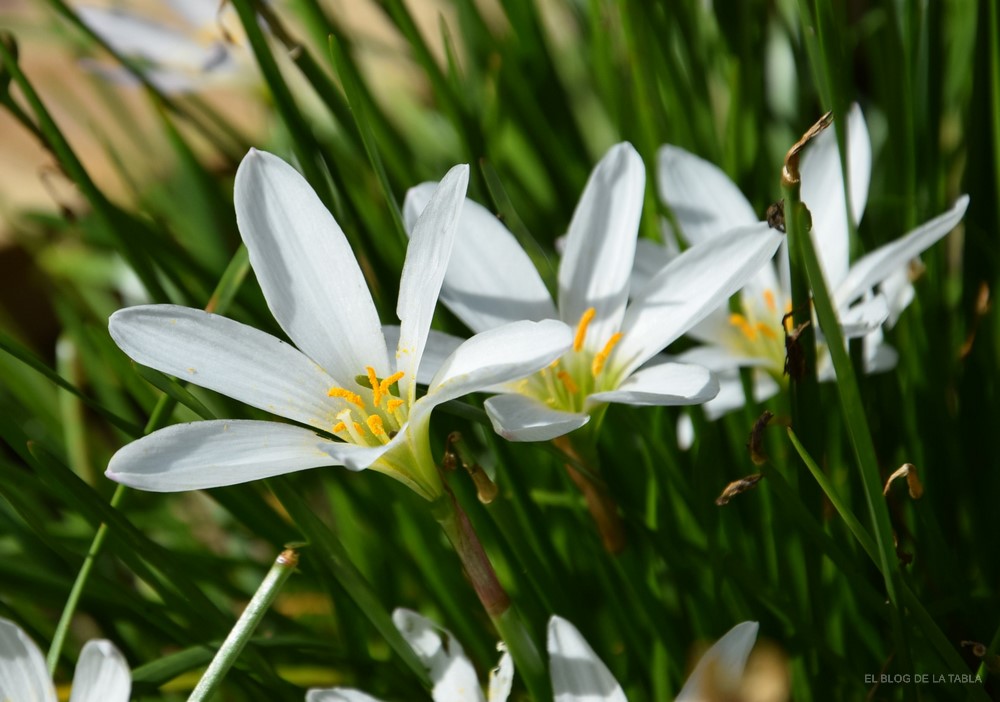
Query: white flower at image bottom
[577, 674]
[102, 675]
[491, 282]
[867, 295]
[339, 381]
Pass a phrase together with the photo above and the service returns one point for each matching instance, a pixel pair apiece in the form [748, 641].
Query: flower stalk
[478, 568]
[601, 505]
[239, 636]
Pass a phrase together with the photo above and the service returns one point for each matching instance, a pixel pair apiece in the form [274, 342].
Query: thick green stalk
[240, 634]
[508, 622]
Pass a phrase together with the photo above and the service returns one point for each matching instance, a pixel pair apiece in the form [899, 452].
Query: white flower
[491, 281]
[181, 57]
[452, 674]
[578, 675]
[869, 294]
[339, 380]
[102, 675]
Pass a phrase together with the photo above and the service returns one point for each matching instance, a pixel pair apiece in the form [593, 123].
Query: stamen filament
[567, 381]
[741, 323]
[352, 427]
[602, 356]
[581, 328]
[766, 330]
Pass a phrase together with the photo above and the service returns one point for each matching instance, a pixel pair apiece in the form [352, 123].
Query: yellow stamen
[373, 381]
[375, 425]
[393, 405]
[766, 330]
[581, 328]
[385, 384]
[602, 356]
[339, 427]
[769, 301]
[567, 381]
[351, 397]
[741, 323]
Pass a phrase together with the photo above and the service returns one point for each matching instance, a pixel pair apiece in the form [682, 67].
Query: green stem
[509, 624]
[240, 634]
[69, 609]
[850, 400]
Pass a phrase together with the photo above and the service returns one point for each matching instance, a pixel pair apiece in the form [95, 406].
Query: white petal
[423, 272]
[864, 317]
[232, 358]
[719, 358]
[721, 668]
[600, 245]
[664, 384]
[688, 289]
[451, 672]
[23, 675]
[132, 35]
[578, 675]
[887, 260]
[355, 457]
[339, 694]
[510, 352]
[898, 291]
[731, 395]
[823, 192]
[166, 81]
[523, 418]
[198, 13]
[102, 675]
[501, 678]
[490, 279]
[439, 346]
[704, 200]
[879, 356]
[213, 454]
[650, 257]
[307, 270]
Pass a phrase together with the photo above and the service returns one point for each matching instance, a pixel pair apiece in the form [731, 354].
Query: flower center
[373, 415]
[757, 331]
[567, 382]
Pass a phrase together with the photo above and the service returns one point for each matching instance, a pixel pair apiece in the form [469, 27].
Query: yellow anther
[375, 425]
[373, 382]
[602, 356]
[581, 328]
[567, 381]
[765, 330]
[351, 397]
[339, 427]
[769, 301]
[385, 384]
[741, 323]
[393, 405]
